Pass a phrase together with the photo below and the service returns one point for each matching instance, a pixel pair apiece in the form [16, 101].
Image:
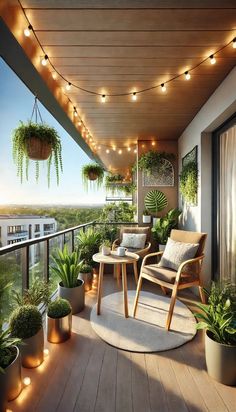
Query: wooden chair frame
[177, 285]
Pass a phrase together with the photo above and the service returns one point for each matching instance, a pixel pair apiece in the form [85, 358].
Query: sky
[16, 103]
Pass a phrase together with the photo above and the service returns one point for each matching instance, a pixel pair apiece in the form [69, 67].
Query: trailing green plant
[38, 293]
[153, 159]
[164, 225]
[88, 244]
[116, 183]
[121, 212]
[85, 268]
[21, 136]
[66, 266]
[92, 173]
[155, 201]
[59, 308]
[25, 321]
[219, 316]
[189, 182]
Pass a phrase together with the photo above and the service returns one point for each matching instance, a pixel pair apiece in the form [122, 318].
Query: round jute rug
[145, 333]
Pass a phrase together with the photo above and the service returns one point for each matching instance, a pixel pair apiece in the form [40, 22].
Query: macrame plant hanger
[36, 112]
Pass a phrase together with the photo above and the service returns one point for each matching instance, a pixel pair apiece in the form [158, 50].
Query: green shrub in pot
[59, 320]
[26, 324]
[88, 244]
[218, 319]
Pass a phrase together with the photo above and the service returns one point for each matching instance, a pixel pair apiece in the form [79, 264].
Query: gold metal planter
[58, 330]
[32, 350]
[10, 381]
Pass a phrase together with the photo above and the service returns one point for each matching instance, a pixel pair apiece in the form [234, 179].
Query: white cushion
[176, 253]
[134, 240]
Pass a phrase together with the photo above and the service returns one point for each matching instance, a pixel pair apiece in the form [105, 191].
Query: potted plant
[34, 141]
[106, 247]
[88, 244]
[164, 225]
[59, 321]
[218, 318]
[10, 363]
[146, 216]
[92, 172]
[67, 267]
[26, 324]
[155, 201]
[189, 182]
[86, 274]
[37, 294]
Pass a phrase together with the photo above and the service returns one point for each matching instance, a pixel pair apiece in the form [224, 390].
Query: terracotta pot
[88, 280]
[32, 350]
[38, 149]
[92, 176]
[220, 361]
[74, 295]
[59, 330]
[10, 381]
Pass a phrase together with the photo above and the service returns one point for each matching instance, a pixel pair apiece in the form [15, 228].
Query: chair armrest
[115, 243]
[150, 255]
[188, 262]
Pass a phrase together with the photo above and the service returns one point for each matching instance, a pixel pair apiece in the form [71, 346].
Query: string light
[153, 143]
[163, 87]
[87, 135]
[75, 112]
[54, 75]
[44, 60]
[27, 381]
[234, 43]
[135, 150]
[114, 148]
[103, 98]
[27, 31]
[187, 75]
[68, 86]
[134, 96]
[99, 147]
[119, 151]
[212, 59]
[107, 151]
[128, 148]
[79, 123]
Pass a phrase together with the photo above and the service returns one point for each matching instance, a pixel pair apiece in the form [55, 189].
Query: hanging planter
[94, 173]
[36, 141]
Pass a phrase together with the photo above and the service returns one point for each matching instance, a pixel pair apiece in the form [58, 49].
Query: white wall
[219, 107]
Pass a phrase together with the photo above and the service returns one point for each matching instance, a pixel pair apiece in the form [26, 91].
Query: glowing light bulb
[87, 134]
[75, 112]
[119, 151]
[187, 75]
[46, 352]
[68, 86]
[128, 148]
[27, 381]
[134, 96]
[99, 147]
[234, 43]
[44, 61]
[27, 31]
[54, 75]
[103, 98]
[163, 87]
[153, 143]
[212, 59]
[90, 138]
[114, 148]
[107, 151]
[79, 123]
[135, 150]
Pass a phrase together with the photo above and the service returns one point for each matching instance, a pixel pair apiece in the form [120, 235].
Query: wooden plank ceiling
[123, 46]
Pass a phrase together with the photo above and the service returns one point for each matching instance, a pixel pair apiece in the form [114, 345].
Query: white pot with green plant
[164, 225]
[106, 247]
[86, 274]
[155, 201]
[218, 319]
[59, 321]
[26, 324]
[146, 216]
[67, 267]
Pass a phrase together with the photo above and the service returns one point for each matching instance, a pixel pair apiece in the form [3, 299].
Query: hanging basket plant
[189, 182]
[36, 141]
[153, 160]
[92, 173]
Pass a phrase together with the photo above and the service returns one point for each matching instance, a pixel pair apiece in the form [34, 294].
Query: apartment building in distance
[17, 228]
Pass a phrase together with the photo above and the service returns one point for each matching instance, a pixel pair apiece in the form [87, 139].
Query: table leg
[118, 267]
[125, 297]
[100, 280]
[135, 271]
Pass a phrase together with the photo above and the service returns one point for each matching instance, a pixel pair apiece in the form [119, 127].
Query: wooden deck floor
[86, 374]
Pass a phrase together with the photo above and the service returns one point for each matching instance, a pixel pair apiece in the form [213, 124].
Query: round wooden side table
[114, 259]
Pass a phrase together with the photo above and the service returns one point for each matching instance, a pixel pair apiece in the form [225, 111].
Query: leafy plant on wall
[189, 182]
[153, 159]
[155, 201]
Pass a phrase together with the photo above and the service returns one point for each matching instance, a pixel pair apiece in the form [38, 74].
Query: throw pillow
[134, 240]
[176, 253]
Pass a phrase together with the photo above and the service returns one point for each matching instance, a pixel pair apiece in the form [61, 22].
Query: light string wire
[118, 94]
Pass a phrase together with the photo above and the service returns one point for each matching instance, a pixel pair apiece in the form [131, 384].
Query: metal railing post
[72, 240]
[25, 267]
[46, 260]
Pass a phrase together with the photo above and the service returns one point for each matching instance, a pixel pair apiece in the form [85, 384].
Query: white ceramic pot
[146, 219]
[106, 250]
[154, 220]
[161, 247]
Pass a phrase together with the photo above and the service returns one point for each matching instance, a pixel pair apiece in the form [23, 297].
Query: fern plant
[67, 267]
[20, 139]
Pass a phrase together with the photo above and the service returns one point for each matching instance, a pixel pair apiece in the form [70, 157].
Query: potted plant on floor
[86, 274]
[155, 201]
[92, 172]
[10, 363]
[59, 321]
[218, 318]
[164, 225]
[88, 244]
[67, 267]
[26, 324]
[146, 216]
